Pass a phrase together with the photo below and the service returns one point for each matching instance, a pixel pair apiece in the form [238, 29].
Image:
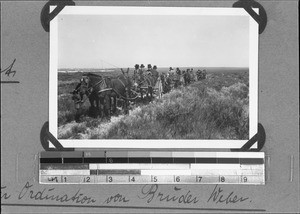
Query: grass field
[214, 108]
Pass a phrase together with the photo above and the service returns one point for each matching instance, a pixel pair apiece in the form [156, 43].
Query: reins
[121, 96]
[89, 93]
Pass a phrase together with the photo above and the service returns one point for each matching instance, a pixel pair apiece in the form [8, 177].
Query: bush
[190, 113]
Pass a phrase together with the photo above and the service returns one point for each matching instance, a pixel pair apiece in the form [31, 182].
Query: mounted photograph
[153, 77]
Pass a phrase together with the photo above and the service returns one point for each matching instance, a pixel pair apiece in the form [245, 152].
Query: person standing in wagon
[135, 72]
[154, 73]
[141, 74]
[149, 69]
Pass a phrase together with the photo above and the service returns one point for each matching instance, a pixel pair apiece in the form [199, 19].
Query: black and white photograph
[155, 77]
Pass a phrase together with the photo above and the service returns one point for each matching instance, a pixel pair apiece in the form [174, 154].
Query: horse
[90, 85]
[121, 88]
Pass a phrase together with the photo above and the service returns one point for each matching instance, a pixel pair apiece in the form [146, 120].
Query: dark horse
[102, 93]
[90, 85]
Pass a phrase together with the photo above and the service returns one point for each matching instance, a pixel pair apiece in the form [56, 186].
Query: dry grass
[215, 108]
[189, 113]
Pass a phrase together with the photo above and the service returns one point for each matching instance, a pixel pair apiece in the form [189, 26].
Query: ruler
[119, 167]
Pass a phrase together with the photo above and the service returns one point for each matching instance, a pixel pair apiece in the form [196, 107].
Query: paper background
[24, 109]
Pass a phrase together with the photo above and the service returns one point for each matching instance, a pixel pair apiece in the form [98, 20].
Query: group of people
[178, 77]
[201, 74]
[140, 72]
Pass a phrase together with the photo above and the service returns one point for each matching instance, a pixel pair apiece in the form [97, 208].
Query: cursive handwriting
[7, 71]
[4, 195]
[48, 194]
[150, 192]
[116, 198]
[219, 196]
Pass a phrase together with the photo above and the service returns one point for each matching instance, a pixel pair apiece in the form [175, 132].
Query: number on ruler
[110, 179]
[131, 179]
[177, 178]
[154, 178]
[87, 179]
[198, 178]
[222, 179]
[53, 179]
[64, 179]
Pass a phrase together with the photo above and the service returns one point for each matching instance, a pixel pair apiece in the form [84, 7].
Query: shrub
[78, 129]
[192, 113]
[66, 135]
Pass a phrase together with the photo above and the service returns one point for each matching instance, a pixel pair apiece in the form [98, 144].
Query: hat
[142, 66]
[149, 66]
[154, 67]
[137, 66]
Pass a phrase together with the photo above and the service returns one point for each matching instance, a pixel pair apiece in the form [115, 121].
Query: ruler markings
[204, 179]
[161, 167]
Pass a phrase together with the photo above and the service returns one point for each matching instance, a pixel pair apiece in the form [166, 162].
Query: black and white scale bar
[153, 157]
[154, 160]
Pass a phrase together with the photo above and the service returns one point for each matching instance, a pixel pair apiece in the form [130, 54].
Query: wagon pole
[109, 64]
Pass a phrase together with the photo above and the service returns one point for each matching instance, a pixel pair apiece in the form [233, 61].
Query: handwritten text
[9, 70]
[150, 192]
[219, 196]
[4, 195]
[116, 198]
[49, 194]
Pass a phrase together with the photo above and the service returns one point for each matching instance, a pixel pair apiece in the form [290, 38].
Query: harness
[125, 98]
[107, 89]
[121, 82]
[88, 92]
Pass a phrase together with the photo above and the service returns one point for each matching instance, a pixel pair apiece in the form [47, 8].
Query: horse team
[102, 92]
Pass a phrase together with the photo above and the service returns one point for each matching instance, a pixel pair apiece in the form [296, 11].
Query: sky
[107, 41]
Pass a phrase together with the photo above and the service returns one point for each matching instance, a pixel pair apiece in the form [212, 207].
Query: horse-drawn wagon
[103, 93]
